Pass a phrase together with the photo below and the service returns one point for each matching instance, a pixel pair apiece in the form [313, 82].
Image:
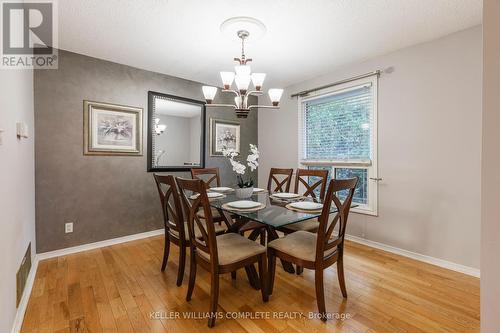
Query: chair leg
[299, 269]
[214, 298]
[166, 252]
[182, 264]
[271, 260]
[340, 274]
[233, 275]
[263, 278]
[320, 293]
[253, 277]
[192, 275]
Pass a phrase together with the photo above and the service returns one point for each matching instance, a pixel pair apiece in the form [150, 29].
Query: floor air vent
[22, 274]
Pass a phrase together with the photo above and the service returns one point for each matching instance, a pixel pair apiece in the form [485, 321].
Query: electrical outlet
[68, 227]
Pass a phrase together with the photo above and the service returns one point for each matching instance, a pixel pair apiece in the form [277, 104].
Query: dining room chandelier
[242, 77]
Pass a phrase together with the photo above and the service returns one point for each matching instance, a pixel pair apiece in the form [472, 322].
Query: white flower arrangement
[240, 168]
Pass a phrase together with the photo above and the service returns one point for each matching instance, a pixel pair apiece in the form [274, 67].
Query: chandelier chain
[243, 49]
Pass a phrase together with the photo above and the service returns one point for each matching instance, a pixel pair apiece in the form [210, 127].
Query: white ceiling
[304, 38]
[176, 109]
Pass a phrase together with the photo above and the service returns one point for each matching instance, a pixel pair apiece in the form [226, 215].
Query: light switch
[1, 133]
[22, 129]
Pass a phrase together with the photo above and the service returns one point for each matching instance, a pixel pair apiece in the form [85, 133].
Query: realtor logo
[29, 35]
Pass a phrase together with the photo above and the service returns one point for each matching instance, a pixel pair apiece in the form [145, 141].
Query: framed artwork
[223, 134]
[110, 129]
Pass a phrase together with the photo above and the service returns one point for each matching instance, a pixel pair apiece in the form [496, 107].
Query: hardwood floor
[116, 288]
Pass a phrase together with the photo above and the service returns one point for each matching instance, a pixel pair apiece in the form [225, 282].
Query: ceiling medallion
[242, 75]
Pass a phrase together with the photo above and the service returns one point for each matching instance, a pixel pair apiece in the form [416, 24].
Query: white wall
[429, 129]
[17, 186]
[490, 226]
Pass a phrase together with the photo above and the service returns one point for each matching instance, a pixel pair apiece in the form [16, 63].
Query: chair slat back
[325, 240]
[210, 176]
[303, 176]
[207, 242]
[279, 180]
[171, 207]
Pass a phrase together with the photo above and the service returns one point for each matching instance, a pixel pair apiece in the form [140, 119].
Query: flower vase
[244, 192]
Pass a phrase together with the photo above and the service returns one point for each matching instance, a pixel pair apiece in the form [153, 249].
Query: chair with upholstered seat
[176, 230]
[314, 183]
[211, 178]
[279, 180]
[218, 254]
[314, 189]
[318, 250]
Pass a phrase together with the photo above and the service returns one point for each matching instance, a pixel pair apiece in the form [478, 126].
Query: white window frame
[371, 165]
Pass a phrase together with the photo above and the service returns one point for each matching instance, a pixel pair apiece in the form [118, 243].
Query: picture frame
[112, 129]
[224, 133]
[153, 99]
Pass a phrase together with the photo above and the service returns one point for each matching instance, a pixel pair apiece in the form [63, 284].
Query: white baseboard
[417, 256]
[21, 310]
[96, 245]
[23, 304]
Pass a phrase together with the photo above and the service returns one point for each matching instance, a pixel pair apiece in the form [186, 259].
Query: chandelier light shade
[242, 82]
[258, 80]
[209, 93]
[275, 96]
[243, 70]
[227, 79]
[242, 78]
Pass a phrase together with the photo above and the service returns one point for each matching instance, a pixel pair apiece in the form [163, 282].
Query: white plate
[257, 190]
[210, 195]
[244, 204]
[221, 189]
[285, 195]
[306, 205]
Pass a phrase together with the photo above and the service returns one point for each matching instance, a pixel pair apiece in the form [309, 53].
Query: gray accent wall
[105, 196]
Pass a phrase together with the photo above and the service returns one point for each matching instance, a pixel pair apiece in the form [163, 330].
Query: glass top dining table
[275, 214]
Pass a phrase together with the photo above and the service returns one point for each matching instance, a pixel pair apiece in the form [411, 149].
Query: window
[338, 132]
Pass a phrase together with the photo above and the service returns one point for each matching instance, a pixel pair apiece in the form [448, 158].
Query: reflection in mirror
[176, 132]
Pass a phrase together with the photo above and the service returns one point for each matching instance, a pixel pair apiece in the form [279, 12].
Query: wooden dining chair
[210, 176]
[218, 254]
[314, 184]
[319, 250]
[279, 180]
[176, 230]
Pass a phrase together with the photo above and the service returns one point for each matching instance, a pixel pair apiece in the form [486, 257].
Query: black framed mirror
[176, 133]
